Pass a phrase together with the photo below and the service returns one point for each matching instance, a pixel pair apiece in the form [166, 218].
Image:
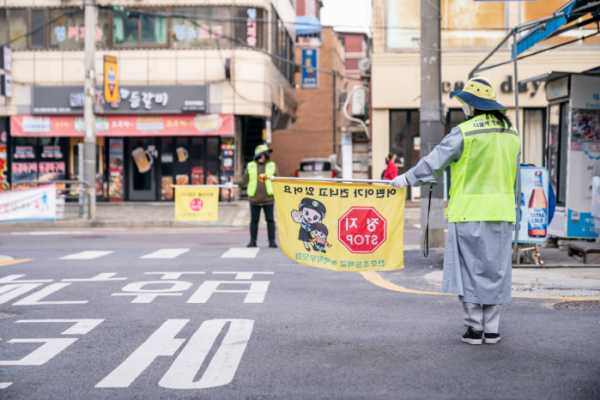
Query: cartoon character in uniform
[310, 212]
[320, 233]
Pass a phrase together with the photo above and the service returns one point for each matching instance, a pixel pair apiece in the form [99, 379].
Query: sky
[347, 14]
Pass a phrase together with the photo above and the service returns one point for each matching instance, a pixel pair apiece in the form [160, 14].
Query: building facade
[199, 85]
[316, 131]
[468, 35]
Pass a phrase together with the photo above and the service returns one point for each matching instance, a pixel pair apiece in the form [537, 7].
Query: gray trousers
[482, 317]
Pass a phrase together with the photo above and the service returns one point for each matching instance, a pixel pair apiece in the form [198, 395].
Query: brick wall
[312, 133]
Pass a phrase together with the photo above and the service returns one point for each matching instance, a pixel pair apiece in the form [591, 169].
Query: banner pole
[264, 178]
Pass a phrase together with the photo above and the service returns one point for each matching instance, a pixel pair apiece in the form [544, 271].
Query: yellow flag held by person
[339, 226]
[196, 203]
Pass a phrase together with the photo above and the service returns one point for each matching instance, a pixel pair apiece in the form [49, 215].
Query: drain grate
[578, 306]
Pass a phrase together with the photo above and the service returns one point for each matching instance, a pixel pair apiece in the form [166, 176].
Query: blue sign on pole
[310, 79]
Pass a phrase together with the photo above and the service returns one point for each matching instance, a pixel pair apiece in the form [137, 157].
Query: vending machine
[572, 149]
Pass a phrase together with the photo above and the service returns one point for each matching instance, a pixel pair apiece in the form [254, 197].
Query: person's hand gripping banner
[340, 226]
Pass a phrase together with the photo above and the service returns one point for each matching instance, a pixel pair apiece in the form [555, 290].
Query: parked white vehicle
[316, 168]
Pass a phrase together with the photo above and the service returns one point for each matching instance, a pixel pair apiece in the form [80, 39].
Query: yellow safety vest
[253, 174]
[483, 179]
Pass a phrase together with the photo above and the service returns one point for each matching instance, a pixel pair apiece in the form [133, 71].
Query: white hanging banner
[28, 205]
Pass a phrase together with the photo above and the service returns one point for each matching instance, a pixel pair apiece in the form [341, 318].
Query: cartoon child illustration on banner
[310, 212]
[320, 233]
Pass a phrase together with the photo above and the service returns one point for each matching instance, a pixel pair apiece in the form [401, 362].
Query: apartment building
[469, 31]
[200, 82]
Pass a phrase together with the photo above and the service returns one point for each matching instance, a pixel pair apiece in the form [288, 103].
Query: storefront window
[18, 28]
[200, 26]
[37, 28]
[182, 161]
[212, 161]
[250, 28]
[125, 30]
[39, 159]
[553, 155]
[533, 136]
[197, 154]
[3, 26]
[67, 31]
[154, 28]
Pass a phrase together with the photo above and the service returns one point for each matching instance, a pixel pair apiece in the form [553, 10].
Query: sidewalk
[158, 215]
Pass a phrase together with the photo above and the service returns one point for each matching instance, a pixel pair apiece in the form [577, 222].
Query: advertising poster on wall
[533, 225]
[4, 185]
[115, 170]
[310, 78]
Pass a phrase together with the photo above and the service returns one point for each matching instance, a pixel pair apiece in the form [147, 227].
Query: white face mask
[468, 110]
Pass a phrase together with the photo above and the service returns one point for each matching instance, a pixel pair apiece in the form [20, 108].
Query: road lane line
[223, 365]
[11, 262]
[161, 342]
[241, 252]
[87, 255]
[166, 253]
[4, 385]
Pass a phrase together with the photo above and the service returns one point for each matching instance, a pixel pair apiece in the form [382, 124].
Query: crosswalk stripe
[241, 252]
[166, 253]
[86, 255]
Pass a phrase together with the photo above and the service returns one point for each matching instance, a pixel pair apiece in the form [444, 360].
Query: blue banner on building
[310, 79]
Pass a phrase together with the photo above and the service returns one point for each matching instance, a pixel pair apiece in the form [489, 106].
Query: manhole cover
[578, 306]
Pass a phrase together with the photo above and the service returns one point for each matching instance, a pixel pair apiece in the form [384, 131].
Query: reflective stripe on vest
[484, 177]
[253, 175]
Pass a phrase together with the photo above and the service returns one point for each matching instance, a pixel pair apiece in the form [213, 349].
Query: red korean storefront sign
[125, 125]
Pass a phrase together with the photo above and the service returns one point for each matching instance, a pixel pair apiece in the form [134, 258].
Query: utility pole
[431, 126]
[89, 138]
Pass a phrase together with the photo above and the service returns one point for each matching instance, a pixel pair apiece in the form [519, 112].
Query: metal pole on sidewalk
[518, 178]
[431, 126]
[89, 138]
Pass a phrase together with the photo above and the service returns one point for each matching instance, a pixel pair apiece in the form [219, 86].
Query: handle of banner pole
[431, 184]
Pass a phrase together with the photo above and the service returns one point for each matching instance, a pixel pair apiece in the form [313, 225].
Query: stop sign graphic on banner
[362, 230]
[196, 204]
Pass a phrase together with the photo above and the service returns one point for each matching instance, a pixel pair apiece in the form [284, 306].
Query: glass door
[141, 155]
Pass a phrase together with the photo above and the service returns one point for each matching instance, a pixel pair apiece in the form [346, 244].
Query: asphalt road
[295, 333]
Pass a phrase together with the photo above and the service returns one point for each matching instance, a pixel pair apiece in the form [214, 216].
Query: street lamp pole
[89, 138]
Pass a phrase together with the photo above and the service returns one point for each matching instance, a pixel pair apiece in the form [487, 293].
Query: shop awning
[534, 32]
[124, 125]
[308, 25]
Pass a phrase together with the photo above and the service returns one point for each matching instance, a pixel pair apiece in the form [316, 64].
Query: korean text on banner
[28, 205]
[196, 203]
[339, 226]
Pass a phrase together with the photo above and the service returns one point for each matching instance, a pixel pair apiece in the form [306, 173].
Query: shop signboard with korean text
[341, 227]
[535, 200]
[310, 77]
[135, 100]
[6, 58]
[196, 203]
[126, 125]
[111, 79]
[28, 205]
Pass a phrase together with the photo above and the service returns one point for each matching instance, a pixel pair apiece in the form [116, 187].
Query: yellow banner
[196, 203]
[339, 226]
[111, 79]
